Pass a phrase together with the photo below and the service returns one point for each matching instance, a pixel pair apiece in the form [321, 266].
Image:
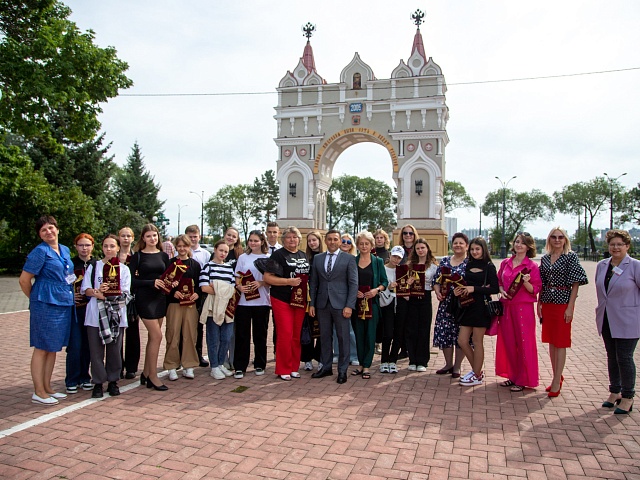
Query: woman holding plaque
[253, 307]
[516, 350]
[561, 275]
[449, 275]
[287, 272]
[51, 305]
[481, 281]
[78, 356]
[312, 350]
[147, 266]
[182, 314]
[423, 266]
[107, 283]
[372, 279]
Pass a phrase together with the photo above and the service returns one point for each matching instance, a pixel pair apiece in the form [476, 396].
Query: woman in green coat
[372, 279]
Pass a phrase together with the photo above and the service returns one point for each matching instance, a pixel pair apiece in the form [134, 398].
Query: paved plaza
[404, 426]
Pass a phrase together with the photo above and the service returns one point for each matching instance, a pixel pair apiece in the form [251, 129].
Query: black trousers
[130, 354]
[402, 310]
[248, 317]
[418, 330]
[387, 325]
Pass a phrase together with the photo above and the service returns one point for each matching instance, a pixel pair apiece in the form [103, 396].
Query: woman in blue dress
[446, 330]
[52, 306]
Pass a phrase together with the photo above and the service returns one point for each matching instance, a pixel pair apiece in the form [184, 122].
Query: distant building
[474, 232]
[451, 226]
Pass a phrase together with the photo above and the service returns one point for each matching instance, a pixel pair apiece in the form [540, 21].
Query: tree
[26, 195]
[134, 188]
[456, 196]
[219, 210]
[356, 203]
[632, 203]
[266, 194]
[50, 68]
[520, 208]
[593, 196]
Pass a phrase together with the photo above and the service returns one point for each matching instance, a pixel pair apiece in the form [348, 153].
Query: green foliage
[632, 206]
[356, 203]
[134, 189]
[48, 69]
[219, 210]
[266, 194]
[520, 209]
[594, 196]
[456, 196]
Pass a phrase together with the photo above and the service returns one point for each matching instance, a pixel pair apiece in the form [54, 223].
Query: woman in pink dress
[516, 349]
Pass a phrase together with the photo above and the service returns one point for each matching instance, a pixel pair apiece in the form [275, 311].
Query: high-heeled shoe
[548, 389]
[444, 371]
[620, 411]
[553, 394]
[616, 401]
[143, 379]
[160, 388]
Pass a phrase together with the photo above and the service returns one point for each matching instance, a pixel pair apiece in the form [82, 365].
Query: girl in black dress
[147, 266]
[481, 282]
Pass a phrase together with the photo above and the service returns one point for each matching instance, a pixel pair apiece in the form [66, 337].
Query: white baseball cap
[397, 251]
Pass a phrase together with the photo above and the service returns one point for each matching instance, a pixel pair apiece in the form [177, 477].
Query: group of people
[328, 304]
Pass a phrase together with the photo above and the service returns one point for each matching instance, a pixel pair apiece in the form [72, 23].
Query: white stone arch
[304, 191]
[356, 65]
[401, 71]
[420, 161]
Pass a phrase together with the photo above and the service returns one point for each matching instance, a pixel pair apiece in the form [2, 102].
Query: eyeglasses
[617, 245]
[408, 233]
[556, 237]
[345, 241]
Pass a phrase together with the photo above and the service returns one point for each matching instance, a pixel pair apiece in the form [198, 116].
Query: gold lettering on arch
[379, 138]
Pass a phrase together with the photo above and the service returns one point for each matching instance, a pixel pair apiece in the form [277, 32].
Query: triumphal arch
[406, 114]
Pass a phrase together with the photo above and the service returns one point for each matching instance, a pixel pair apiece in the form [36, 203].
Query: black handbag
[494, 307]
[305, 334]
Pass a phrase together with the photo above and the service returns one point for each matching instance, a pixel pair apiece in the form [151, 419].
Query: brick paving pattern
[404, 426]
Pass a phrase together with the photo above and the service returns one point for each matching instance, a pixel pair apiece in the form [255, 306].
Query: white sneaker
[320, 366]
[467, 376]
[225, 370]
[238, 374]
[393, 368]
[188, 373]
[384, 368]
[412, 368]
[48, 401]
[471, 381]
[308, 366]
[259, 371]
[421, 368]
[72, 390]
[217, 373]
[173, 375]
[355, 363]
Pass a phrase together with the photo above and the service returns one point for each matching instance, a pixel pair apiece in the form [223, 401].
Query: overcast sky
[548, 132]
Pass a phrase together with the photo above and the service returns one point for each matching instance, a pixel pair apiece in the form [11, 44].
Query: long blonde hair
[567, 242]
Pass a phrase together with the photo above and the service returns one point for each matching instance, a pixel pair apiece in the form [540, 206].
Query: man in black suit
[333, 290]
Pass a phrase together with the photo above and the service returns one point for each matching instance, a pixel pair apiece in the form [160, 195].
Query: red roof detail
[418, 45]
[307, 58]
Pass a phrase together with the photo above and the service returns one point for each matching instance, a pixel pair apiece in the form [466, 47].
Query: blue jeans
[353, 355]
[78, 355]
[622, 369]
[218, 339]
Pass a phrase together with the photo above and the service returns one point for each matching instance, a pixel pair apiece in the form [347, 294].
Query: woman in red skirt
[561, 274]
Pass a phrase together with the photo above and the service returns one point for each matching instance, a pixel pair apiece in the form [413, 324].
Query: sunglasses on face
[557, 237]
[345, 241]
[408, 233]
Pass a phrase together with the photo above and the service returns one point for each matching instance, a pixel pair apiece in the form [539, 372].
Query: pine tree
[134, 188]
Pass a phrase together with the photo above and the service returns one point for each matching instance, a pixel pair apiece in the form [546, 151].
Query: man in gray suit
[333, 289]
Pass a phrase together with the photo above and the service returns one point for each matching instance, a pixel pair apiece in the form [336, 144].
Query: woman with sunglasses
[516, 346]
[408, 237]
[254, 312]
[562, 275]
[348, 245]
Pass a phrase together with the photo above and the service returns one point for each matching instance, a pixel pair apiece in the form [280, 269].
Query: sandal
[366, 375]
[517, 388]
[507, 383]
[356, 372]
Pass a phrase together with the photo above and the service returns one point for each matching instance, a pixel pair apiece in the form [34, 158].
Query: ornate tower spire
[418, 19]
[307, 55]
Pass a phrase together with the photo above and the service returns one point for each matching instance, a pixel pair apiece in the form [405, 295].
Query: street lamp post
[201, 211]
[611, 181]
[180, 207]
[503, 246]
